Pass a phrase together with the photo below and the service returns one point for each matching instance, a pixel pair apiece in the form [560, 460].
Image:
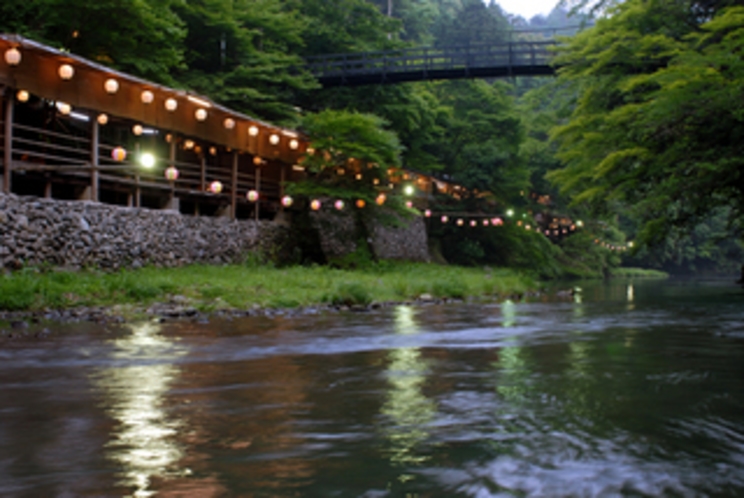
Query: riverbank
[628, 272]
[204, 289]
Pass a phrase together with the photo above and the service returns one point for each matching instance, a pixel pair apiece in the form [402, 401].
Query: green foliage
[658, 119]
[348, 144]
[18, 293]
[349, 294]
[242, 53]
[213, 287]
[140, 37]
[625, 272]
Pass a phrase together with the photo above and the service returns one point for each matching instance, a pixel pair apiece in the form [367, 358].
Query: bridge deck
[519, 58]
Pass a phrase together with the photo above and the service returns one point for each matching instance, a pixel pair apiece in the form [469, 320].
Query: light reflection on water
[636, 390]
[408, 409]
[143, 443]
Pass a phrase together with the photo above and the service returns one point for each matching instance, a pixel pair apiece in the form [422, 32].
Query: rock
[426, 297]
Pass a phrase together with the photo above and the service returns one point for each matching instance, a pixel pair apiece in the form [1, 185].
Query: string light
[252, 195]
[102, 119]
[147, 97]
[22, 96]
[315, 205]
[171, 105]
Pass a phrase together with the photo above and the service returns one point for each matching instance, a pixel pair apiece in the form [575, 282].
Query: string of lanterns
[66, 71]
[612, 246]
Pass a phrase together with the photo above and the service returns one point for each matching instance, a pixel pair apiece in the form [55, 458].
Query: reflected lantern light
[315, 205]
[287, 201]
[339, 204]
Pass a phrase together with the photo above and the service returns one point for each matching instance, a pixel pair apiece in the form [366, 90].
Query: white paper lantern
[66, 72]
[13, 56]
[111, 86]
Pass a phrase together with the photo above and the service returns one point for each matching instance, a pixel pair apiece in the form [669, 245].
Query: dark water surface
[631, 390]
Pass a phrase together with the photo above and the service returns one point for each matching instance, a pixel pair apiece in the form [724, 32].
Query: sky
[527, 8]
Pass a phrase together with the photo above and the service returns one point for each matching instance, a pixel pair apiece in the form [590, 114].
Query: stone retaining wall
[338, 236]
[407, 242]
[75, 234]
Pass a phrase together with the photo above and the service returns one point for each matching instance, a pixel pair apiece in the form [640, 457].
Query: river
[626, 389]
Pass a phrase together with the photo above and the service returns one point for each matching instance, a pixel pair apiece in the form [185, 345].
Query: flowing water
[627, 389]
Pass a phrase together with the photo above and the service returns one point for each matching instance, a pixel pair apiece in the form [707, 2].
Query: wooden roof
[37, 73]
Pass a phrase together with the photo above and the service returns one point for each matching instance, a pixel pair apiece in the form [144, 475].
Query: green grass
[243, 286]
[637, 273]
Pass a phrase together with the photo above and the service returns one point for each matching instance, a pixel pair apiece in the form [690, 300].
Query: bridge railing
[518, 53]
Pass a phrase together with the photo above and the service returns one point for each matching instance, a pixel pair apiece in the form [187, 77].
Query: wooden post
[203, 177]
[234, 187]
[281, 188]
[137, 192]
[8, 145]
[94, 139]
[172, 164]
[258, 189]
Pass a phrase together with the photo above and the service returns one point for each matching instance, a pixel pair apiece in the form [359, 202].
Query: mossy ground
[243, 286]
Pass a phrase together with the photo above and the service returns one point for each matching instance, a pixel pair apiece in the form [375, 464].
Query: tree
[244, 54]
[140, 37]
[659, 122]
[351, 155]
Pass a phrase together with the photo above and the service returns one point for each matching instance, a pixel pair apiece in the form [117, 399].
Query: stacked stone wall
[338, 236]
[77, 234]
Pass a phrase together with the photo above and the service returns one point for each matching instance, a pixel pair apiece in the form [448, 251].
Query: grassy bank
[213, 287]
[637, 273]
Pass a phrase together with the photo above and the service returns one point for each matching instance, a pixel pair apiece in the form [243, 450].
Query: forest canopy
[641, 132]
